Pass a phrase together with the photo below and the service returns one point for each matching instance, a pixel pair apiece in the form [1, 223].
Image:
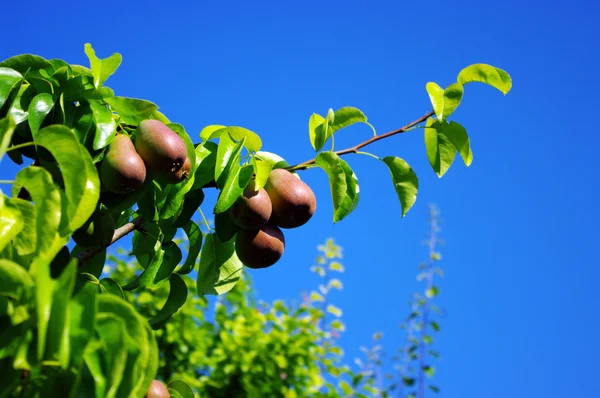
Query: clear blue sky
[520, 224]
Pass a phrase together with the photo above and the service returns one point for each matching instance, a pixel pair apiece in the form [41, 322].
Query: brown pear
[163, 151]
[157, 390]
[293, 201]
[122, 169]
[252, 209]
[260, 248]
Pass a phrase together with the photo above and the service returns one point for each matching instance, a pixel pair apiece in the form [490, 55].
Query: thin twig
[363, 144]
[87, 254]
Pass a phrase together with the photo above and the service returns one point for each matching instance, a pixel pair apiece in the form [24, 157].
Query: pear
[163, 151]
[122, 169]
[252, 209]
[157, 390]
[260, 248]
[182, 174]
[293, 201]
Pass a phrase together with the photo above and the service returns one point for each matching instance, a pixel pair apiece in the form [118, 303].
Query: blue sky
[521, 275]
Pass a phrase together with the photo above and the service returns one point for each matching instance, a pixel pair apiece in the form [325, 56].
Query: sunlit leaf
[82, 185]
[39, 108]
[252, 140]
[487, 74]
[7, 128]
[212, 132]
[452, 96]
[436, 95]
[24, 63]
[206, 157]
[440, 150]
[195, 243]
[405, 181]
[106, 126]
[238, 178]
[26, 238]
[228, 153]
[8, 79]
[315, 132]
[182, 388]
[457, 134]
[219, 268]
[343, 184]
[82, 313]
[102, 69]
[332, 309]
[131, 110]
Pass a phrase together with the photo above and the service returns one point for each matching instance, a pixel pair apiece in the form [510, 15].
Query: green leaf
[436, 95]
[435, 326]
[191, 203]
[15, 282]
[177, 297]
[212, 132]
[315, 132]
[262, 170]
[433, 388]
[26, 62]
[8, 79]
[20, 105]
[345, 117]
[7, 128]
[194, 236]
[405, 181]
[112, 287]
[26, 238]
[224, 227]
[219, 268]
[206, 157]
[429, 370]
[82, 313]
[39, 108]
[275, 160]
[48, 202]
[251, 140]
[440, 150]
[457, 134]
[226, 150]
[132, 110]
[181, 387]
[343, 184]
[452, 96]
[431, 292]
[82, 185]
[238, 177]
[487, 74]
[106, 126]
[102, 69]
[332, 309]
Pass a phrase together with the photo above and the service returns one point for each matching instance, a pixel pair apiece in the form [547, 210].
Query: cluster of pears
[157, 151]
[284, 202]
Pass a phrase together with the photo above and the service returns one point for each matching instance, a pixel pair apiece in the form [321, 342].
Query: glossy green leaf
[315, 132]
[452, 96]
[252, 140]
[26, 62]
[228, 153]
[102, 69]
[345, 117]
[191, 203]
[39, 108]
[7, 128]
[487, 74]
[106, 126]
[20, 105]
[15, 282]
[82, 122]
[275, 160]
[219, 268]
[82, 185]
[238, 177]
[211, 132]
[206, 157]
[457, 134]
[224, 227]
[182, 388]
[82, 313]
[440, 150]
[405, 181]
[132, 110]
[112, 331]
[177, 296]
[57, 346]
[436, 96]
[26, 238]
[194, 236]
[8, 79]
[48, 202]
[94, 265]
[343, 184]
[262, 170]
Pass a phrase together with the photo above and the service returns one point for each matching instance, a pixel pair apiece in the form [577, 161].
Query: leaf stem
[354, 149]
[19, 146]
[7, 182]
[372, 128]
[368, 154]
[205, 221]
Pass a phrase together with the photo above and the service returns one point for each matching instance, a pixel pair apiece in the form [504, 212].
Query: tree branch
[355, 148]
[87, 254]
